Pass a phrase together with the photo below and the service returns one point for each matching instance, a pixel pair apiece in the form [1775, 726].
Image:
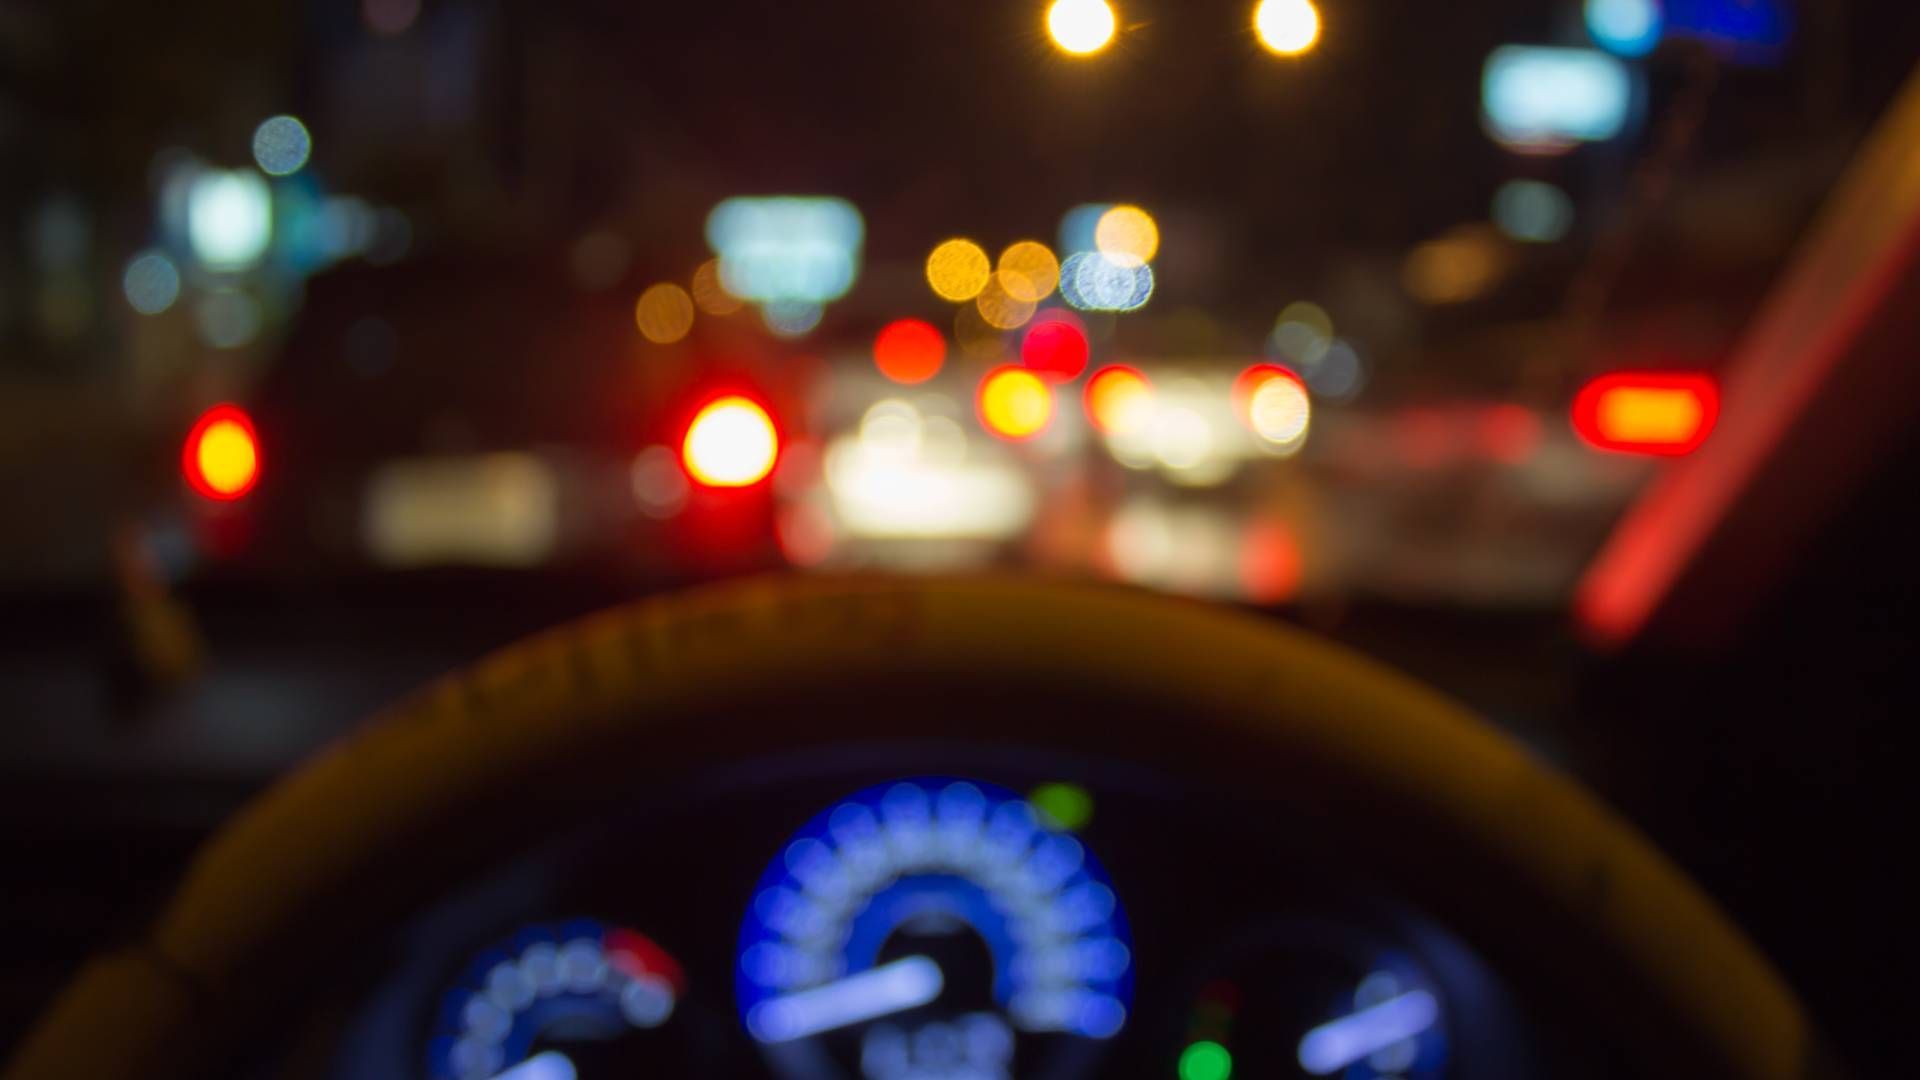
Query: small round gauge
[1319, 1000]
[933, 927]
[552, 999]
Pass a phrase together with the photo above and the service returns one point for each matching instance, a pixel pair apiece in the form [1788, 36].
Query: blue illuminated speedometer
[526, 1009]
[933, 927]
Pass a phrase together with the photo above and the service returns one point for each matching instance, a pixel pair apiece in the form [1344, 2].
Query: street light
[1287, 27]
[1081, 27]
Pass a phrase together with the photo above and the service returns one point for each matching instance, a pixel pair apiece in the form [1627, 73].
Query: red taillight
[731, 443]
[1647, 412]
[221, 459]
[1249, 382]
[1055, 348]
[909, 351]
[1119, 400]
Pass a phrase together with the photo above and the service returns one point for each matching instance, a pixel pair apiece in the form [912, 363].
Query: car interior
[1036, 540]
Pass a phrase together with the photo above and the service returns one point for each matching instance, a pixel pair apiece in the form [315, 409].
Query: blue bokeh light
[789, 248]
[1630, 28]
[1747, 31]
[1537, 98]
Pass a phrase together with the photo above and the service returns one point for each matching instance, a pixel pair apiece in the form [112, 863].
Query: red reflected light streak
[1808, 355]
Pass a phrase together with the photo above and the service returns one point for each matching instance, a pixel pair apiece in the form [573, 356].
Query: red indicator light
[221, 459]
[1647, 412]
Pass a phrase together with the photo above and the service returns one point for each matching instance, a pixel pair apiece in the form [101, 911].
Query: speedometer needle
[1337, 1044]
[903, 984]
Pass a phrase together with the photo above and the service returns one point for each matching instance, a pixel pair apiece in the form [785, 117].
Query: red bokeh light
[1249, 382]
[731, 443]
[1119, 399]
[1271, 566]
[1055, 348]
[221, 457]
[1427, 437]
[1510, 434]
[1641, 412]
[909, 351]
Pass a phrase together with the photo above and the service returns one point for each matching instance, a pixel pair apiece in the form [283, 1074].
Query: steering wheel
[1564, 896]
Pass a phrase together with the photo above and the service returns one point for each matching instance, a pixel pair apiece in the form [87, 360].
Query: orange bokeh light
[1119, 400]
[909, 351]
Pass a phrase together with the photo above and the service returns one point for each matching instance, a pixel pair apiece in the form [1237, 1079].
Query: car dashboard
[888, 912]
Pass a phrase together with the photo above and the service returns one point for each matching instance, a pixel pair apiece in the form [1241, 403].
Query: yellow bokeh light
[664, 313]
[227, 457]
[1650, 414]
[1127, 236]
[1081, 27]
[1029, 271]
[731, 443]
[710, 293]
[1002, 310]
[958, 270]
[1287, 27]
[1015, 403]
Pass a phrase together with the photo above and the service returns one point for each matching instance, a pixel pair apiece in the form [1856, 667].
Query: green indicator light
[1065, 806]
[1205, 1061]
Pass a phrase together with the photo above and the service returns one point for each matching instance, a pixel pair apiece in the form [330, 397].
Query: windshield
[1275, 303]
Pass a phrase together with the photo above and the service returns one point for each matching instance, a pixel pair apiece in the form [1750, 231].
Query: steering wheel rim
[300, 872]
